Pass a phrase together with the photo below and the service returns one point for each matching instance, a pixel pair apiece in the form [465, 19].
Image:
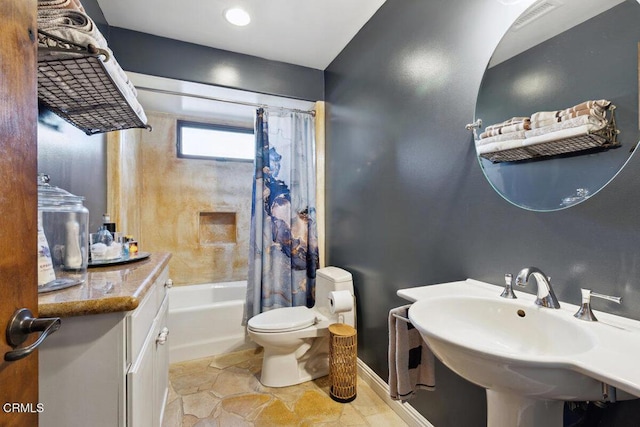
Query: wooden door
[18, 203]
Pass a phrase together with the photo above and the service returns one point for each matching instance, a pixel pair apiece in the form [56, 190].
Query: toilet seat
[284, 319]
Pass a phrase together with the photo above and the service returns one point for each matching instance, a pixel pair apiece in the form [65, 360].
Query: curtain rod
[209, 98]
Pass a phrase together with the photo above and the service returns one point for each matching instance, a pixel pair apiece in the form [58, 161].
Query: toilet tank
[330, 279]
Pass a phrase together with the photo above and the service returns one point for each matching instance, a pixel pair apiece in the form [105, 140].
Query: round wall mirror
[558, 55]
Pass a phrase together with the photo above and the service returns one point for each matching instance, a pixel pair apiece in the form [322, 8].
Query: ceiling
[544, 19]
[309, 33]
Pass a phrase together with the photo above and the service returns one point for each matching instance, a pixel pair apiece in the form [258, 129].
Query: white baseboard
[404, 410]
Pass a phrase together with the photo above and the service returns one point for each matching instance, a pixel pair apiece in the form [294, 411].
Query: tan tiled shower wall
[199, 210]
[123, 180]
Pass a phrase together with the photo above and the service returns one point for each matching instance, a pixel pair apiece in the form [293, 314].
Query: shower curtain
[283, 253]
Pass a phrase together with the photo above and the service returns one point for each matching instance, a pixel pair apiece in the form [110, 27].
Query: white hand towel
[411, 362]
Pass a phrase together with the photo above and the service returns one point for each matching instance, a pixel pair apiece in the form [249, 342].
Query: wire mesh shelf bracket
[74, 83]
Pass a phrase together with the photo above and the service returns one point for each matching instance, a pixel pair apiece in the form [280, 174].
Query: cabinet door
[161, 364]
[140, 388]
[82, 373]
[148, 378]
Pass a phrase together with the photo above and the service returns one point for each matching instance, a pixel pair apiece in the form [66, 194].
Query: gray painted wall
[159, 56]
[75, 162]
[408, 204]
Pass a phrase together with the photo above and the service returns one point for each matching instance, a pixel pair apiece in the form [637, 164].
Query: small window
[207, 141]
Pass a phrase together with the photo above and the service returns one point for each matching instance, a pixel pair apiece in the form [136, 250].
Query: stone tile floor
[224, 391]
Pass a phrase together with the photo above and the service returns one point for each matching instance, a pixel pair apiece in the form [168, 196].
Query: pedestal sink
[529, 358]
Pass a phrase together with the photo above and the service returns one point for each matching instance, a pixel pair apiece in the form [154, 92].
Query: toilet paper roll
[340, 301]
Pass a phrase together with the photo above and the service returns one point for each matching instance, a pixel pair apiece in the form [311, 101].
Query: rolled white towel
[558, 135]
[60, 4]
[506, 137]
[592, 124]
[500, 146]
[71, 25]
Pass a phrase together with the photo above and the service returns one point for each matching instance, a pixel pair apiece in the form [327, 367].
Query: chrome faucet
[545, 295]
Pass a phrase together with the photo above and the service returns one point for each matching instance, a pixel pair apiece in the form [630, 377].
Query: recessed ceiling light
[237, 16]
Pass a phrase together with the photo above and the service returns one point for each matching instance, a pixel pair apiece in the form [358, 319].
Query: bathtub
[205, 320]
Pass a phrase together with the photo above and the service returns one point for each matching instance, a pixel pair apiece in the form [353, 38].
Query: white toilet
[296, 339]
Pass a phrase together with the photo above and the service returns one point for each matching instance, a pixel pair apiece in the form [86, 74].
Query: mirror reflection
[592, 56]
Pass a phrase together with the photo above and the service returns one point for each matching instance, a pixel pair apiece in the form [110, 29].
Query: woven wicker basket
[343, 356]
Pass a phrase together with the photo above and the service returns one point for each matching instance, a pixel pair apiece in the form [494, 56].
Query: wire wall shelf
[603, 139]
[74, 83]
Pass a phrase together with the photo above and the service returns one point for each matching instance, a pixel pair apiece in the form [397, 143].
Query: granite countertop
[107, 289]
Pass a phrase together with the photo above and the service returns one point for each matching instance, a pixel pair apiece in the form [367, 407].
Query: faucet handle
[508, 288]
[585, 313]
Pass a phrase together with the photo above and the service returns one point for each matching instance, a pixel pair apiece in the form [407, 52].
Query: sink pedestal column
[510, 409]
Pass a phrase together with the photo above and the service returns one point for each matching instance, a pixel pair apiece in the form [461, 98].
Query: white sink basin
[526, 356]
[507, 345]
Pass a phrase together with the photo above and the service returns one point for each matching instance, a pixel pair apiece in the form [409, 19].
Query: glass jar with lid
[63, 230]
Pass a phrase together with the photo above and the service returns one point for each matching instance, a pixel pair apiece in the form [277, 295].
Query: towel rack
[404, 319]
[74, 84]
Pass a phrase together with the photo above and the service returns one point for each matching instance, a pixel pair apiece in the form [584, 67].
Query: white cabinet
[148, 376]
[108, 369]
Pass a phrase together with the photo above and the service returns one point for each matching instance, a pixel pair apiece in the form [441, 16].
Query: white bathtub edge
[205, 320]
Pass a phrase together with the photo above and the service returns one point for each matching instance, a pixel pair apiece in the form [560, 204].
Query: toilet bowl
[296, 339]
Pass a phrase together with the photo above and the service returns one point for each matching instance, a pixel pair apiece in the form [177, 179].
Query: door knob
[20, 326]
